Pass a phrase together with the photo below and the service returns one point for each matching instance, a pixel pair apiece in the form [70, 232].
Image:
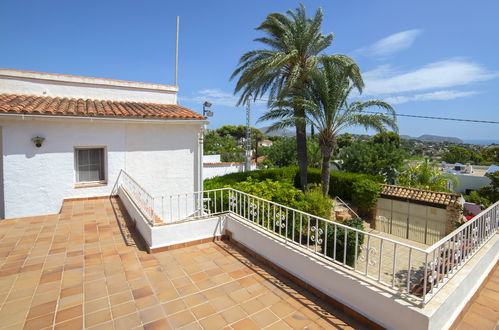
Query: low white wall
[162, 157]
[373, 302]
[141, 224]
[166, 235]
[368, 300]
[187, 231]
[213, 170]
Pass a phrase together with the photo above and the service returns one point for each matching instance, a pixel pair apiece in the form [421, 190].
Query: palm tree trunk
[301, 150]
[325, 176]
[327, 143]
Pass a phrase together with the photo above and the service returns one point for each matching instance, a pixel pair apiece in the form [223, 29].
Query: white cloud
[437, 75]
[433, 96]
[391, 44]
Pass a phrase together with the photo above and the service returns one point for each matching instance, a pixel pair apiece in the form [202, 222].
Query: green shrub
[276, 191]
[341, 183]
[283, 174]
[365, 194]
[340, 241]
[315, 203]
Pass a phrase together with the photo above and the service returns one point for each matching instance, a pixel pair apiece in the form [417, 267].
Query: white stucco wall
[163, 157]
[57, 85]
[211, 158]
[213, 170]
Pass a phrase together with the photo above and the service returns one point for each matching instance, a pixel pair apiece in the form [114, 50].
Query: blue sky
[437, 58]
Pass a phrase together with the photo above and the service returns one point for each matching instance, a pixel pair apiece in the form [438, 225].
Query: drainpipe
[200, 160]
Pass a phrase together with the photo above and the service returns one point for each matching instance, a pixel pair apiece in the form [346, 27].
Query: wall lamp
[38, 141]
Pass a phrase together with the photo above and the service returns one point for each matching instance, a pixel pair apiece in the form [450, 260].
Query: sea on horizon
[481, 141]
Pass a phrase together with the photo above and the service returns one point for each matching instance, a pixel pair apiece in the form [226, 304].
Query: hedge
[341, 184]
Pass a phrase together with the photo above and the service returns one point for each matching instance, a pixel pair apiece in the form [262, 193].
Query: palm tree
[328, 110]
[426, 175]
[294, 43]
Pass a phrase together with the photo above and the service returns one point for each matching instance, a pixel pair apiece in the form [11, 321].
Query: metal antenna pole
[176, 52]
[247, 166]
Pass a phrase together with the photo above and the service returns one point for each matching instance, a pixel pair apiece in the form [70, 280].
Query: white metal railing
[373, 256]
[447, 256]
[180, 207]
[416, 273]
[143, 200]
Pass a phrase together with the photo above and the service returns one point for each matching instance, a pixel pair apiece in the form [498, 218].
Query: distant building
[265, 143]
[470, 177]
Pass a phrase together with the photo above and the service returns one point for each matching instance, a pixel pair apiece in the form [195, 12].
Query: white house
[65, 137]
[469, 177]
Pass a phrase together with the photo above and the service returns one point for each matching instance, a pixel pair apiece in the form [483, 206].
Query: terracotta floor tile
[40, 322]
[174, 306]
[157, 325]
[129, 321]
[76, 323]
[233, 314]
[95, 318]
[279, 325]
[180, 319]
[264, 318]
[245, 324]
[215, 321]
[123, 309]
[145, 302]
[96, 305]
[14, 312]
[42, 309]
[203, 310]
[297, 320]
[151, 314]
[195, 299]
[78, 266]
[68, 313]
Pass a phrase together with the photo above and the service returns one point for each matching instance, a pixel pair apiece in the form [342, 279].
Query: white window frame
[104, 164]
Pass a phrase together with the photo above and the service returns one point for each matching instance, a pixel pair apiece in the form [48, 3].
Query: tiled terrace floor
[483, 312]
[76, 270]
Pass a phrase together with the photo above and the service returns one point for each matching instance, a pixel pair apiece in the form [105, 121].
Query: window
[89, 165]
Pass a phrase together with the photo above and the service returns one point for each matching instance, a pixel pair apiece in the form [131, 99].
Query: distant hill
[433, 138]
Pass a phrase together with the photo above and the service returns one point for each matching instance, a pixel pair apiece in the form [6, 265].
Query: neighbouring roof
[63, 106]
[420, 195]
[493, 169]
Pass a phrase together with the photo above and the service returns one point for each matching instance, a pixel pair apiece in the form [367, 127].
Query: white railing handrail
[460, 228]
[441, 260]
[136, 183]
[427, 250]
[310, 215]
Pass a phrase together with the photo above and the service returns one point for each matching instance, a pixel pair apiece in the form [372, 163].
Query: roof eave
[109, 118]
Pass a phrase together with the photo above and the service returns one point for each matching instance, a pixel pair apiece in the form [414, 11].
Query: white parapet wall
[173, 234]
[361, 294]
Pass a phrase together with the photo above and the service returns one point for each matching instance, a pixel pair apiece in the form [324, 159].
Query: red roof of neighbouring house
[63, 106]
[420, 195]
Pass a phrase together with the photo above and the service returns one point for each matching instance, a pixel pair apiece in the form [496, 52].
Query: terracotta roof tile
[62, 106]
[420, 195]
